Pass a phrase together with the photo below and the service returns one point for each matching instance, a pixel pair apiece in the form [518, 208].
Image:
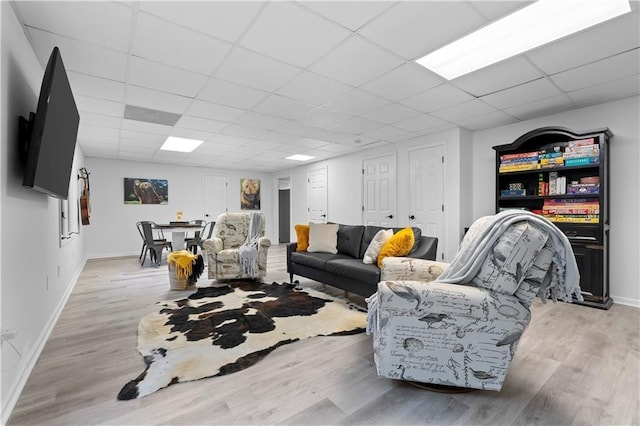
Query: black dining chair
[153, 246]
[200, 237]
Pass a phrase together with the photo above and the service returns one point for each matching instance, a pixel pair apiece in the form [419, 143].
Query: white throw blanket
[469, 259]
[249, 250]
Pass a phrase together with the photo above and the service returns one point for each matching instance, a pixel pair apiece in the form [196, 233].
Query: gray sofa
[345, 269]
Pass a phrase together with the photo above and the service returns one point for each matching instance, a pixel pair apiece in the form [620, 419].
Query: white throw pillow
[323, 238]
[376, 244]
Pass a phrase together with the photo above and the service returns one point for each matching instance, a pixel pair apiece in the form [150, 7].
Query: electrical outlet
[8, 335]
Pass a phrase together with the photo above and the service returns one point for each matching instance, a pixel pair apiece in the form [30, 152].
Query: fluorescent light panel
[528, 28]
[300, 157]
[180, 144]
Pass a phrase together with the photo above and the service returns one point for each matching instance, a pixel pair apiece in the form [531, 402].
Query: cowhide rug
[221, 330]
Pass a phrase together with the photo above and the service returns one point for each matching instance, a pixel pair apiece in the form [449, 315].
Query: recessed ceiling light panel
[300, 157]
[180, 144]
[540, 23]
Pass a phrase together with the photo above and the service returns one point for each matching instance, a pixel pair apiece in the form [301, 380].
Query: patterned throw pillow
[302, 235]
[398, 245]
[379, 240]
[323, 238]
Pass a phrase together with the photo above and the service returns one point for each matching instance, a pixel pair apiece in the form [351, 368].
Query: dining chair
[153, 246]
[200, 236]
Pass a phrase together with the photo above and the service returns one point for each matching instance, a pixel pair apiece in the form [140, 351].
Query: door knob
[206, 215]
[323, 215]
[389, 217]
[412, 217]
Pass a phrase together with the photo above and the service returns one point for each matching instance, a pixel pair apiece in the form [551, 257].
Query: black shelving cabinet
[590, 241]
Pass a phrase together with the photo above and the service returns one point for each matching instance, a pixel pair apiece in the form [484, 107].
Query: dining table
[178, 232]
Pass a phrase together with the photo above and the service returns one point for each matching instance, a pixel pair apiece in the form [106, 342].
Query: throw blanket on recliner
[249, 250]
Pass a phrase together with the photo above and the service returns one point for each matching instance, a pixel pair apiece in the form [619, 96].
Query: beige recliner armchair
[224, 257]
[459, 324]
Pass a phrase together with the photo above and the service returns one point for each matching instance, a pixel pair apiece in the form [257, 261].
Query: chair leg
[144, 256]
[144, 245]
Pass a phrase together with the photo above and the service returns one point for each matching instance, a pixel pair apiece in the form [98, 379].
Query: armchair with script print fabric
[459, 324]
[238, 248]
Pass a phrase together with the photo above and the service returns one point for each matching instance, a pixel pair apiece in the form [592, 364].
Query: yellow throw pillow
[399, 245]
[302, 234]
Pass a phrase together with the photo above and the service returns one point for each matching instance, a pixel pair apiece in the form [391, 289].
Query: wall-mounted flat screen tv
[48, 137]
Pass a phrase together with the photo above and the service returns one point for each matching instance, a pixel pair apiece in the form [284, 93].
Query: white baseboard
[21, 381]
[97, 256]
[626, 301]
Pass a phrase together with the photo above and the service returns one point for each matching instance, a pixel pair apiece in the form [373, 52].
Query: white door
[317, 192]
[379, 191]
[215, 196]
[426, 189]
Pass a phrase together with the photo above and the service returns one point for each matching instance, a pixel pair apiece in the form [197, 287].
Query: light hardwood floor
[574, 365]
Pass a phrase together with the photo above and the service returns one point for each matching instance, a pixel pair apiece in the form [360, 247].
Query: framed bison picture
[146, 191]
[249, 194]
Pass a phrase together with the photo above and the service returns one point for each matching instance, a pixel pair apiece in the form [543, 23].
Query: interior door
[426, 189]
[317, 193]
[379, 191]
[215, 196]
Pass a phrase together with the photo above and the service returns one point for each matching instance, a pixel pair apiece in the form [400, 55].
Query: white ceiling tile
[463, 111]
[288, 32]
[351, 14]
[419, 123]
[324, 118]
[613, 37]
[80, 56]
[164, 78]
[437, 98]
[160, 41]
[388, 133]
[313, 88]
[310, 143]
[141, 126]
[143, 138]
[230, 94]
[214, 111]
[99, 120]
[87, 129]
[402, 82]
[357, 125]
[496, 9]
[261, 121]
[199, 135]
[414, 28]
[83, 84]
[355, 62]
[245, 131]
[234, 141]
[524, 93]
[254, 70]
[392, 113]
[224, 19]
[339, 148]
[99, 106]
[161, 101]
[197, 123]
[107, 24]
[613, 68]
[357, 102]
[293, 127]
[487, 121]
[542, 107]
[500, 76]
[625, 87]
[283, 107]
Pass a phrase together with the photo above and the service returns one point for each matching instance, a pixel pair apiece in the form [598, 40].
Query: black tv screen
[50, 135]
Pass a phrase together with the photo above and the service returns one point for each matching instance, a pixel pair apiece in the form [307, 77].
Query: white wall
[37, 273]
[621, 117]
[113, 224]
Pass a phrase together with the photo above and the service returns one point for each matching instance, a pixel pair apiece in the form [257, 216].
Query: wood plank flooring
[574, 365]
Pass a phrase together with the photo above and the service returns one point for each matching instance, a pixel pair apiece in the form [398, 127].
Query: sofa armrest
[426, 249]
[213, 245]
[263, 243]
[406, 268]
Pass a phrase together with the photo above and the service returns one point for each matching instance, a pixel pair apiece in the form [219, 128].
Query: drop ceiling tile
[524, 93]
[419, 123]
[339, 148]
[613, 37]
[540, 108]
[283, 107]
[310, 143]
[261, 145]
[487, 121]
[154, 75]
[223, 19]
[254, 70]
[313, 88]
[290, 33]
[245, 131]
[388, 133]
[324, 118]
[613, 68]
[230, 94]
[144, 138]
[170, 44]
[80, 56]
[83, 84]
[500, 76]
[463, 111]
[281, 137]
[357, 102]
[609, 91]
[99, 120]
[357, 125]
[197, 123]
[199, 135]
[107, 24]
[100, 140]
[214, 111]
[351, 14]
[161, 101]
[355, 62]
[141, 126]
[234, 141]
[496, 9]
[261, 121]
[392, 113]
[402, 82]
[88, 129]
[414, 28]
[296, 128]
[99, 106]
[437, 98]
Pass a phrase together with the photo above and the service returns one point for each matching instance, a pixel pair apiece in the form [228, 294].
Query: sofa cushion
[323, 238]
[354, 269]
[315, 260]
[371, 231]
[302, 237]
[381, 238]
[349, 239]
[399, 245]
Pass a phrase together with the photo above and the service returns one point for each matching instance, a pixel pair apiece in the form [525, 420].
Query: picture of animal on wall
[146, 191]
[250, 194]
